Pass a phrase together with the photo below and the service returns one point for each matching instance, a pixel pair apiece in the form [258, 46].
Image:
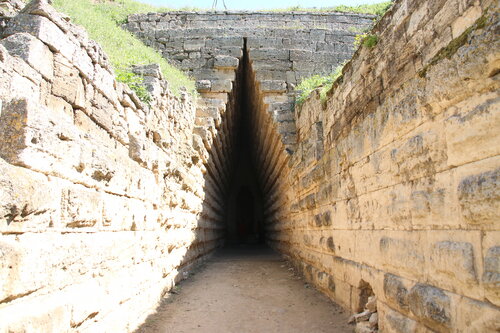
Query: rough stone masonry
[385, 197]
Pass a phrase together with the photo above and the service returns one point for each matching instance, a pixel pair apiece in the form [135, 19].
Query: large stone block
[455, 260]
[31, 50]
[221, 86]
[81, 207]
[67, 82]
[491, 275]
[402, 255]
[225, 62]
[395, 291]
[394, 322]
[269, 54]
[431, 305]
[105, 82]
[28, 200]
[479, 197]
[470, 129]
[45, 30]
[38, 138]
[224, 42]
[475, 316]
[275, 86]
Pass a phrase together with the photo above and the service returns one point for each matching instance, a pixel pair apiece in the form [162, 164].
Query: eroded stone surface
[390, 188]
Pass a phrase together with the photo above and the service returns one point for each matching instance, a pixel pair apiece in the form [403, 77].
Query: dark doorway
[245, 203]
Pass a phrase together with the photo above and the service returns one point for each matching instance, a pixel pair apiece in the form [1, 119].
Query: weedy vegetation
[102, 20]
[378, 9]
[363, 38]
[323, 83]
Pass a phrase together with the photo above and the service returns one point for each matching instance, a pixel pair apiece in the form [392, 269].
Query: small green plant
[325, 83]
[134, 81]
[368, 40]
[378, 9]
[358, 30]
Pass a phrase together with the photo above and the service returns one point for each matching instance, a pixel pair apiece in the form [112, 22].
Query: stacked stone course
[98, 216]
[393, 187]
[385, 197]
[283, 49]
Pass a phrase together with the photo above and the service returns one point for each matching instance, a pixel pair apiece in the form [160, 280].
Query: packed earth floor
[246, 289]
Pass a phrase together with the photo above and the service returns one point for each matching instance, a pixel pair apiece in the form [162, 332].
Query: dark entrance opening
[245, 203]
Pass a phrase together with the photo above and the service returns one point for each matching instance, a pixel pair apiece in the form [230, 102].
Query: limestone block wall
[283, 48]
[393, 188]
[390, 188]
[105, 202]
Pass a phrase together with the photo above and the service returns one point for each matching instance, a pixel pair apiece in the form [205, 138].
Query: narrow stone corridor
[246, 289]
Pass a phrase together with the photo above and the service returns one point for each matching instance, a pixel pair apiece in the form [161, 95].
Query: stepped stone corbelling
[385, 197]
[283, 49]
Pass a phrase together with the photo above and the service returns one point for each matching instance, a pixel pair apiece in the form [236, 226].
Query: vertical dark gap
[244, 202]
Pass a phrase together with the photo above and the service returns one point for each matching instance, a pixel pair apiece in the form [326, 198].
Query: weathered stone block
[300, 55]
[269, 54]
[394, 322]
[104, 82]
[225, 62]
[431, 305]
[273, 86]
[470, 134]
[395, 291]
[479, 197]
[58, 104]
[28, 202]
[221, 86]
[83, 62]
[491, 275]
[81, 207]
[454, 259]
[224, 42]
[31, 50]
[67, 83]
[203, 85]
[402, 254]
[35, 137]
[43, 29]
[153, 70]
[475, 316]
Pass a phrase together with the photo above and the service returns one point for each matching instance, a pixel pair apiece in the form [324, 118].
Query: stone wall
[104, 201]
[393, 188]
[283, 48]
[390, 188]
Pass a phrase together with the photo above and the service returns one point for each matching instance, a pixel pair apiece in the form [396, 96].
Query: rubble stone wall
[394, 186]
[98, 216]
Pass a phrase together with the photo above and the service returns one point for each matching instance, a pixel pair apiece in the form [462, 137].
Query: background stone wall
[283, 48]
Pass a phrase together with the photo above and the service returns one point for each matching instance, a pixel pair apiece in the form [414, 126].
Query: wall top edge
[244, 12]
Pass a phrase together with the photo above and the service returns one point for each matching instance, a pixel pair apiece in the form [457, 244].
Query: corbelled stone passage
[385, 196]
[284, 48]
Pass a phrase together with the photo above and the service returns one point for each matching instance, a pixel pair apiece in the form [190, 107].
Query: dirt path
[246, 290]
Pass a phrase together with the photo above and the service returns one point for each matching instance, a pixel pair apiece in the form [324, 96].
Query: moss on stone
[448, 51]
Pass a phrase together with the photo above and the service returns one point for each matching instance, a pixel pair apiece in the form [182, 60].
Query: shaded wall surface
[389, 188]
[104, 201]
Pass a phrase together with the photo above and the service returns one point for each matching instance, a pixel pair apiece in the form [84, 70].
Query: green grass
[324, 83]
[378, 9]
[102, 21]
[365, 39]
